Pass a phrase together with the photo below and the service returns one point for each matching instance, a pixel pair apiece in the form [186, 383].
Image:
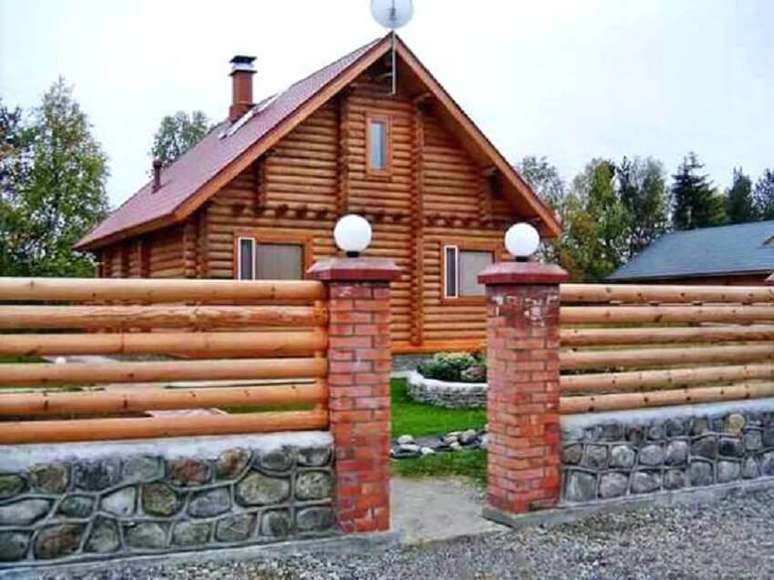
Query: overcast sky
[570, 80]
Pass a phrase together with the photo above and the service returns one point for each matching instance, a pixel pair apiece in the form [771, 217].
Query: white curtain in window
[279, 261]
[471, 265]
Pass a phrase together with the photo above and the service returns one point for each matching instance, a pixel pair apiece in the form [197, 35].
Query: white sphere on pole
[392, 14]
[522, 240]
[352, 234]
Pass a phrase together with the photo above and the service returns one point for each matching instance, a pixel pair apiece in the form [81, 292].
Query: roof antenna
[392, 14]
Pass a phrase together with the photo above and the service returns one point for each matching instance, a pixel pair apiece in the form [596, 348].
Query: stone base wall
[618, 454]
[77, 502]
[446, 394]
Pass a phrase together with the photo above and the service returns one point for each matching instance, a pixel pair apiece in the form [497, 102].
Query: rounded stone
[404, 440]
[76, 506]
[188, 472]
[146, 535]
[753, 440]
[613, 485]
[728, 471]
[652, 455]
[767, 463]
[768, 437]
[317, 456]
[656, 431]
[705, 447]
[700, 425]
[11, 485]
[58, 541]
[191, 533]
[259, 489]
[275, 524]
[635, 434]
[13, 546]
[613, 432]
[236, 528]
[731, 447]
[675, 479]
[595, 457]
[622, 456]
[143, 468]
[314, 519]
[159, 499]
[208, 503]
[675, 427]
[98, 474]
[571, 454]
[676, 453]
[232, 462]
[646, 481]
[49, 478]
[580, 486]
[750, 468]
[120, 502]
[314, 485]
[104, 537]
[23, 512]
[468, 437]
[735, 423]
[277, 460]
[700, 473]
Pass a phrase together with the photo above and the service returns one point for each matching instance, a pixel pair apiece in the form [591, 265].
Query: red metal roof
[186, 175]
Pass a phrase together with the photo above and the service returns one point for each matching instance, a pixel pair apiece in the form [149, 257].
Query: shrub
[454, 367]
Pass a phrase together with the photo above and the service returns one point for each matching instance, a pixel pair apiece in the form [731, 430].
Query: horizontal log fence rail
[639, 346]
[250, 345]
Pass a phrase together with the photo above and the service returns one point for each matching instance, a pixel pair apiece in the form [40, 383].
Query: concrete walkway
[428, 509]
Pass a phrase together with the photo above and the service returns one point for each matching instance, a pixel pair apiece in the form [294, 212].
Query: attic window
[378, 151]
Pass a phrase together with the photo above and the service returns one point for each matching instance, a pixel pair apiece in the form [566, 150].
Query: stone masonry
[446, 394]
[123, 503]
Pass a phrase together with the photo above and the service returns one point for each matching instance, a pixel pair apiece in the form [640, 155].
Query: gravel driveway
[733, 538]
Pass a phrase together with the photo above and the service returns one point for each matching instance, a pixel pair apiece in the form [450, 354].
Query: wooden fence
[271, 337]
[637, 346]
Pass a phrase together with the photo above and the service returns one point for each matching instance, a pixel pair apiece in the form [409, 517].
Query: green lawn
[418, 419]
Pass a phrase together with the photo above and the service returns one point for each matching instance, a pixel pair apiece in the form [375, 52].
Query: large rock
[613, 485]
[120, 502]
[210, 503]
[753, 440]
[705, 447]
[750, 468]
[767, 463]
[314, 519]
[676, 453]
[700, 473]
[316, 456]
[259, 489]
[571, 454]
[146, 536]
[275, 524]
[731, 447]
[652, 455]
[159, 499]
[646, 481]
[278, 460]
[76, 506]
[728, 471]
[314, 485]
[232, 462]
[13, 546]
[675, 427]
[187, 472]
[595, 457]
[143, 468]
[58, 541]
[98, 474]
[675, 479]
[23, 512]
[700, 426]
[11, 485]
[622, 456]
[235, 528]
[768, 437]
[191, 533]
[580, 486]
[104, 537]
[735, 423]
[50, 477]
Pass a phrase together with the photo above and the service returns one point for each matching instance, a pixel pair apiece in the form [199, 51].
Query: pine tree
[740, 207]
[764, 195]
[177, 134]
[695, 202]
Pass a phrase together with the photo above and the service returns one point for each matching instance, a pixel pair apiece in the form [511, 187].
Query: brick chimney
[242, 71]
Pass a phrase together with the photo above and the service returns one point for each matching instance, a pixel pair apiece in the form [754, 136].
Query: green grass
[419, 419]
[20, 359]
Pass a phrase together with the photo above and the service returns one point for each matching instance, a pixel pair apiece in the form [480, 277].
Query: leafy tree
[177, 134]
[763, 195]
[642, 188]
[544, 179]
[740, 206]
[696, 204]
[60, 194]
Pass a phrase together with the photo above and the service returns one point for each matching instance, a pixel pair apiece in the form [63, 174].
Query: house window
[271, 257]
[461, 270]
[378, 145]
[246, 259]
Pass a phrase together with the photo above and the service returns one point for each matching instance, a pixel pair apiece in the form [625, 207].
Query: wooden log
[647, 294]
[621, 401]
[176, 426]
[636, 380]
[159, 316]
[155, 291]
[212, 344]
[663, 314]
[619, 336]
[159, 399]
[661, 357]
[166, 371]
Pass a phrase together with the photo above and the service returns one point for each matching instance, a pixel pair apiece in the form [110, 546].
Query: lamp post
[521, 241]
[352, 234]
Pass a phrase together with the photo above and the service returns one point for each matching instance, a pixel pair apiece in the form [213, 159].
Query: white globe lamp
[352, 234]
[521, 241]
[392, 14]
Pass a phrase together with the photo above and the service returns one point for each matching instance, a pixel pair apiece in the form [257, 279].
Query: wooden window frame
[237, 256]
[465, 245]
[386, 172]
[261, 236]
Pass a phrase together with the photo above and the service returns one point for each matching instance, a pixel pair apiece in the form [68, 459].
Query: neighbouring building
[741, 254]
[258, 197]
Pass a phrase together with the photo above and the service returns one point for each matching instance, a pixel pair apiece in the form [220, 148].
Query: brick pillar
[359, 365]
[523, 376]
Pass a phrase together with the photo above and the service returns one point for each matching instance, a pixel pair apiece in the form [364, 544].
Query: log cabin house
[259, 195]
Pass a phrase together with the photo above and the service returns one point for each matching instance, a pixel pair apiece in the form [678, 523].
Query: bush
[455, 367]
